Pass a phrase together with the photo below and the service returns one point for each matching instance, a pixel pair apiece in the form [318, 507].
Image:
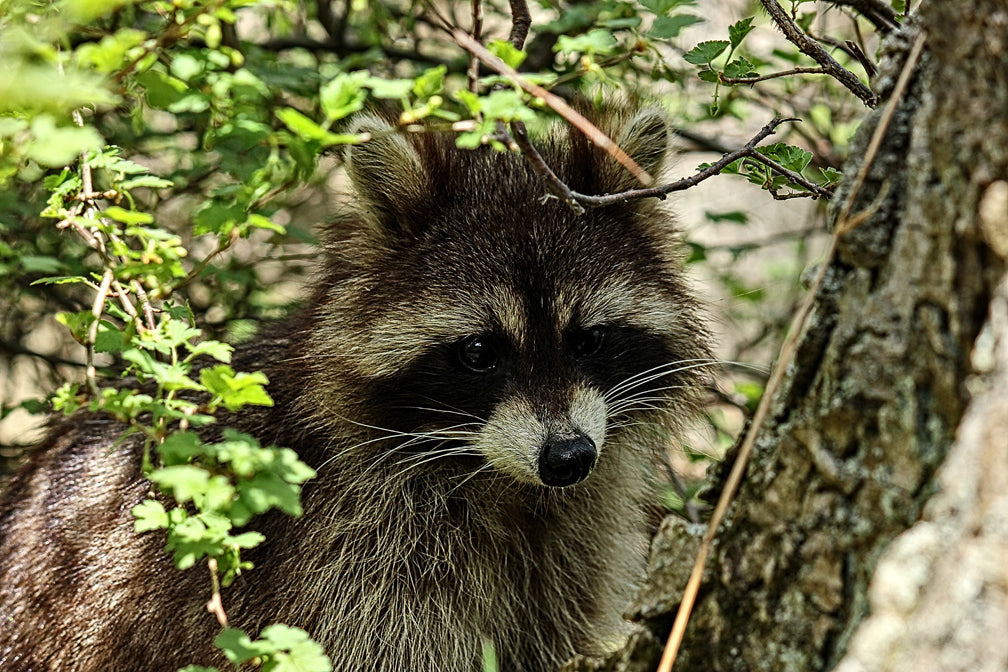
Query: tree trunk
[899, 391]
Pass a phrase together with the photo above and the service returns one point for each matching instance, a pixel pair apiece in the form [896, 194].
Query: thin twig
[215, 606]
[772, 75]
[97, 309]
[784, 359]
[809, 47]
[749, 150]
[556, 186]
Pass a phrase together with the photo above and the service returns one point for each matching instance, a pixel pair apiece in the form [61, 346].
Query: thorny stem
[810, 48]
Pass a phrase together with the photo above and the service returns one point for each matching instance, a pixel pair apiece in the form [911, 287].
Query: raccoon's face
[478, 320]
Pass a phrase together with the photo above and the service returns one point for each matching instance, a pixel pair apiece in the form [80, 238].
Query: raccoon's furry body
[469, 343]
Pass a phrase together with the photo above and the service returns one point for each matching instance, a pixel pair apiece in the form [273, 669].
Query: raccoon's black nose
[567, 462]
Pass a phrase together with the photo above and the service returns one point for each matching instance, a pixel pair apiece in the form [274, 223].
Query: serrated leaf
[183, 481]
[294, 651]
[110, 338]
[739, 68]
[343, 95]
[738, 30]
[238, 647]
[705, 52]
[150, 515]
[709, 76]
[236, 390]
[179, 448]
[216, 349]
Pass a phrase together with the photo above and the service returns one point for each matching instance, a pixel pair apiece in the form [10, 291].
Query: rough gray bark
[870, 410]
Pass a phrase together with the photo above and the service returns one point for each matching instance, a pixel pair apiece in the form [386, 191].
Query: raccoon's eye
[586, 342]
[477, 354]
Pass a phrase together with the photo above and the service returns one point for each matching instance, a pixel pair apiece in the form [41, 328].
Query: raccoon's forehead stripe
[432, 320]
[621, 301]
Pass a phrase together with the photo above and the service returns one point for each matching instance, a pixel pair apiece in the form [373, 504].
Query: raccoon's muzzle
[567, 461]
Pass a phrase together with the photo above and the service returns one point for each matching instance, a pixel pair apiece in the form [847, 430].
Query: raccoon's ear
[646, 139]
[387, 174]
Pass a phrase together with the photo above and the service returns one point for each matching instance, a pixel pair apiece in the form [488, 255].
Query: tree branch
[521, 21]
[749, 150]
[810, 48]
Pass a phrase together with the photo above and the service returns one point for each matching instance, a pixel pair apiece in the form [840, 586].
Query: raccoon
[483, 381]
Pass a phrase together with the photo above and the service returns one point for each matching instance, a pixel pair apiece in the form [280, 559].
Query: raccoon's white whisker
[653, 399]
[647, 376]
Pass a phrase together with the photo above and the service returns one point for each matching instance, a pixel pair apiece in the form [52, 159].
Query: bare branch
[553, 183]
[810, 48]
[521, 21]
[772, 75]
[749, 150]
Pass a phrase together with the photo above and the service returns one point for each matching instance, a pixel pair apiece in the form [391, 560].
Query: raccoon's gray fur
[468, 343]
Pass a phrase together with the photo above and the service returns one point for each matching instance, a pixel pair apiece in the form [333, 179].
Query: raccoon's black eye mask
[482, 353]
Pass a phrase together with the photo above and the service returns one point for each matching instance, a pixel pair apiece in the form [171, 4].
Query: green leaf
[219, 351]
[294, 651]
[668, 27]
[78, 323]
[661, 7]
[507, 52]
[738, 68]
[238, 647]
[705, 52]
[179, 448]
[389, 88]
[183, 481]
[596, 41]
[236, 390]
[41, 264]
[343, 95]
[110, 338]
[431, 82]
[128, 216]
[738, 30]
[150, 515]
[734, 216]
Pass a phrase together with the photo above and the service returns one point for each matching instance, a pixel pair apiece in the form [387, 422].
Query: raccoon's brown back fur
[429, 529]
